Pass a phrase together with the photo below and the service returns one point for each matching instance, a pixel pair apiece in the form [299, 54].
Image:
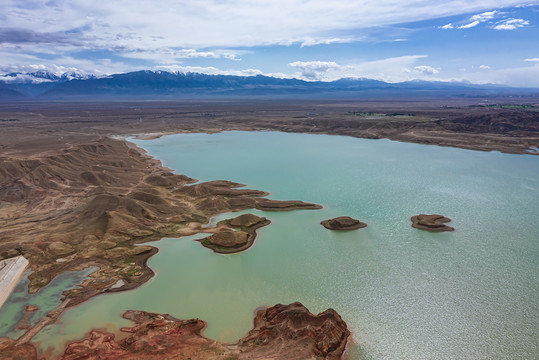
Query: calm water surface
[46, 299]
[405, 293]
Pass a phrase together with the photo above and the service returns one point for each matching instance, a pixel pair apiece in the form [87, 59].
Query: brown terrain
[74, 193]
[506, 124]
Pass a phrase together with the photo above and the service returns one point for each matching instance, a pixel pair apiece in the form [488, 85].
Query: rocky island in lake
[343, 223]
[431, 222]
[238, 234]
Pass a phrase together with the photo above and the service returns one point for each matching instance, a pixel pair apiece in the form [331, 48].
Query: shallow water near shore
[405, 293]
[46, 299]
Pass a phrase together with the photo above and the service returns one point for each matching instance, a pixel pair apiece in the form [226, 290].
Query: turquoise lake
[405, 293]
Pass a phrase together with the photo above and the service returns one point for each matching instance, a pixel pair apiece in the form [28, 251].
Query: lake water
[405, 293]
[46, 299]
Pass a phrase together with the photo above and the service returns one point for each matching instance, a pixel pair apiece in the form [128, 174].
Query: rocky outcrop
[226, 239]
[280, 332]
[237, 234]
[431, 222]
[245, 221]
[28, 313]
[343, 223]
[292, 332]
[9, 350]
[31, 308]
[154, 336]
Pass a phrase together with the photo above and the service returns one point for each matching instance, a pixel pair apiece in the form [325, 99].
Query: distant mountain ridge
[42, 76]
[33, 84]
[163, 84]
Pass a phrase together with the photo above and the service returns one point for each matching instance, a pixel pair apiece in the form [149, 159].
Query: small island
[343, 223]
[431, 222]
[238, 234]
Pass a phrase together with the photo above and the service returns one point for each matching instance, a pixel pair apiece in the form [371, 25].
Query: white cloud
[470, 25]
[309, 41]
[210, 70]
[23, 78]
[314, 70]
[484, 16]
[394, 69]
[511, 24]
[169, 31]
[397, 69]
[51, 68]
[478, 19]
[525, 76]
[426, 70]
[192, 53]
[169, 55]
[532, 59]
[447, 26]
[403, 68]
[14, 62]
[216, 23]
[484, 67]
[390, 70]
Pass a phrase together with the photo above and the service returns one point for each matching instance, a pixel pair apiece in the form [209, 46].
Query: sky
[483, 41]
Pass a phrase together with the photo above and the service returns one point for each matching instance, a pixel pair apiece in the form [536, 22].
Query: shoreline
[460, 123]
[421, 141]
[247, 199]
[158, 166]
[197, 229]
[278, 332]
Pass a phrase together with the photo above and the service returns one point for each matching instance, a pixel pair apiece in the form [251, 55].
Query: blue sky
[489, 41]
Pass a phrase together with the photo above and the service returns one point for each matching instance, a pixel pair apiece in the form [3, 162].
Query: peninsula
[236, 235]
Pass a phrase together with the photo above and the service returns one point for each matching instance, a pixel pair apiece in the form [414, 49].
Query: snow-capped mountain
[42, 76]
[163, 84]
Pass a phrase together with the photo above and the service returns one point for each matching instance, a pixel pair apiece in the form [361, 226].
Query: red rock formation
[292, 332]
[154, 336]
[9, 350]
[280, 332]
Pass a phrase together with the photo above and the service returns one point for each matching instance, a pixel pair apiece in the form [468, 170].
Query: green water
[46, 299]
[405, 293]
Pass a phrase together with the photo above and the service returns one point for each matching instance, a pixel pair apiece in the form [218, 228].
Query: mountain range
[162, 84]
